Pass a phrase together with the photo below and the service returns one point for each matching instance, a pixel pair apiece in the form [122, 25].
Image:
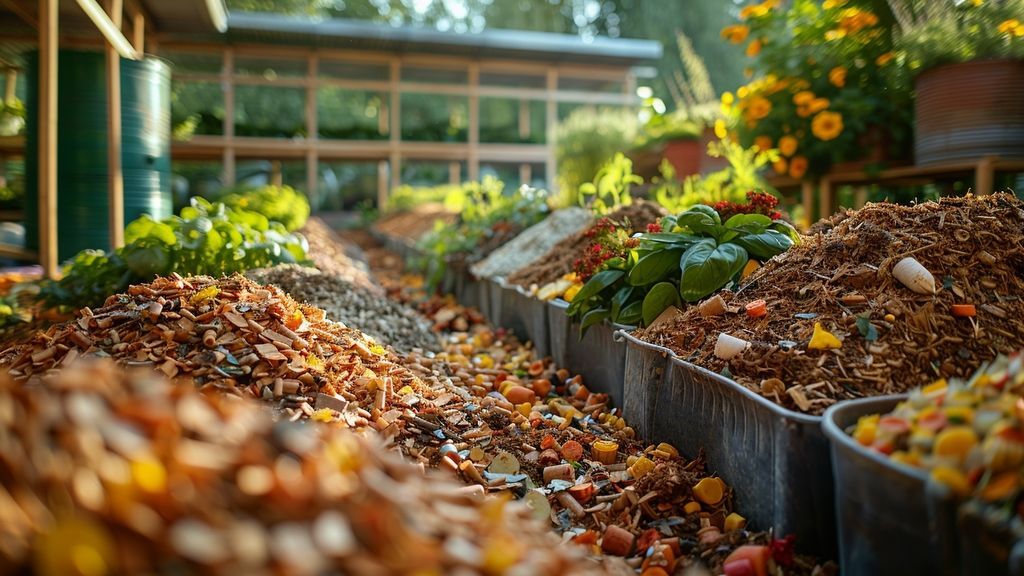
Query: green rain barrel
[82, 175]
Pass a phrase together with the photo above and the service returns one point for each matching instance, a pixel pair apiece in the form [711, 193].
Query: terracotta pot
[684, 155]
[970, 110]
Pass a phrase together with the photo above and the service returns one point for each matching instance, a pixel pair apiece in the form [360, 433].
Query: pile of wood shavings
[335, 255]
[973, 246]
[105, 471]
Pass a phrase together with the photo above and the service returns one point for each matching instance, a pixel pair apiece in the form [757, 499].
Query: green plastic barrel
[82, 175]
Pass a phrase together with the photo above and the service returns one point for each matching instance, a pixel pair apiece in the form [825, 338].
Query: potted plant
[826, 89]
[967, 58]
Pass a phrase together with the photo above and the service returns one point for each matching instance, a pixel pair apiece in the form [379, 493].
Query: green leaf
[616, 263]
[705, 209]
[655, 266]
[749, 223]
[597, 283]
[666, 237]
[787, 229]
[866, 328]
[146, 227]
[622, 297]
[632, 314]
[661, 296]
[699, 222]
[764, 245]
[595, 316]
[707, 267]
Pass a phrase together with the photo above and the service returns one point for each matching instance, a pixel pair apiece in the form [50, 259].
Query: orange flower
[759, 107]
[817, 105]
[803, 98]
[780, 166]
[787, 145]
[837, 76]
[798, 167]
[827, 125]
[763, 142]
[736, 33]
[754, 48]
[854, 20]
[884, 59]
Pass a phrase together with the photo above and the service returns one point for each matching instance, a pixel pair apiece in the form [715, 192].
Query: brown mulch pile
[413, 224]
[893, 339]
[337, 256]
[559, 260]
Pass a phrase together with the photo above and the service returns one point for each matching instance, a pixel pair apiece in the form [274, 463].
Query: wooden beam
[48, 33]
[984, 176]
[10, 85]
[139, 32]
[312, 133]
[115, 182]
[382, 184]
[109, 30]
[551, 120]
[21, 12]
[807, 201]
[395, 126]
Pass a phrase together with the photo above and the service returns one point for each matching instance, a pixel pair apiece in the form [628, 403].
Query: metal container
[535, 319]
[598, 357]
[776, 460]
[891, 519]
[966, 111]
[513, 312]
[988, 546]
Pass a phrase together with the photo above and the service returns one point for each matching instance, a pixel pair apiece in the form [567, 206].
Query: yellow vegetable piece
[955, 441]
[691, 507]
[642, 466]
[750, 268]
[314, 362]
[524, 408]
[484, 361]
[666, 447]
[571, 292]
[952, 478]
[908, 458]
[823, 339]
[322, 415]
[935, 388]
[149, 474]
[405, 390]
[866, 431]
[734, 522]
[205, 294]
[961, 414]
[709, 491]
[501, 553]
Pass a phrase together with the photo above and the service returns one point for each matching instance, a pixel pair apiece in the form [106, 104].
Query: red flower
[653, 228]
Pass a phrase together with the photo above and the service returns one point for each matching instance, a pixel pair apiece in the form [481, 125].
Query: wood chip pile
[334, 255]
[105, 471]
[892, 339]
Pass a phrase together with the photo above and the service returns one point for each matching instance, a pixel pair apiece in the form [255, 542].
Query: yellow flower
[803, 98]
[827, 125]
[1011, 27]
[787, 145]
[763, 142]
[830, 4]
[754, 48]
[727, 98]
[884, 59]
[817, 105]
[720, 130]
[780, 166]
[976, 3]
[753, 11]
[736, 33]
[743, 92]
[837, 76]
[835, 34]
[759, 107]
[798, 167]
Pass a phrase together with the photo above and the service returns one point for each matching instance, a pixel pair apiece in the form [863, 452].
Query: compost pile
[336, 256]
[228, 334]
[412, 224]
[385, 320]
[105, 471]
[559, 260]
[533, 243]
[890, 339]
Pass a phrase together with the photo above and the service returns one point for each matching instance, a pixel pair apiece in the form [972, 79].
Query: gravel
[533, 243]
[388, 322]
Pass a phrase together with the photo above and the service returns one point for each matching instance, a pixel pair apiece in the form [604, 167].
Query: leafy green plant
[699, 255]
[405, 197]
[586, 140]
[207, 238]
[281, 204]
[611, 186]
[488, 213]
[730, 184]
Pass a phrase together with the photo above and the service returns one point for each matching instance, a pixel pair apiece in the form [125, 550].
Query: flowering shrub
[827, 85]
[757, 203]
[607, 240]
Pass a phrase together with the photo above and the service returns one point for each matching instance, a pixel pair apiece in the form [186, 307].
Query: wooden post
[525, 174]
[139, 32]
[474, 123]
[825, 204]
[313, 134]
[454, 172]
[395, 127]
[382, 184]
[551, 121]
[48, 24]
[275, 173]
[524, 119]
[227, 83]
[10, 85]
[807, 201]
[984, 176]
[115, 182]
[860, 196]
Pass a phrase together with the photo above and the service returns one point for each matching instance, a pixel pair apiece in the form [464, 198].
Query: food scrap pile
[387, 321]
[832, 322]
[105, 471]
[559, 261]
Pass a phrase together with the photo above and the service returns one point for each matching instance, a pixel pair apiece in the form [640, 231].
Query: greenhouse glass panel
[590, 85]
[434, 117]
[270, 68]
[197, 108]
[435, 75]
[512, 121]
[507, 172]
[194, 62]
[270, 111]
[343, 70]
[262, 172]
[512, 80]
[345, 185]
[351, 114]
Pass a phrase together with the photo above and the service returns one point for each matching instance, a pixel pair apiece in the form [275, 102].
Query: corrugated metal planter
[970, 110]
[776, 460]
